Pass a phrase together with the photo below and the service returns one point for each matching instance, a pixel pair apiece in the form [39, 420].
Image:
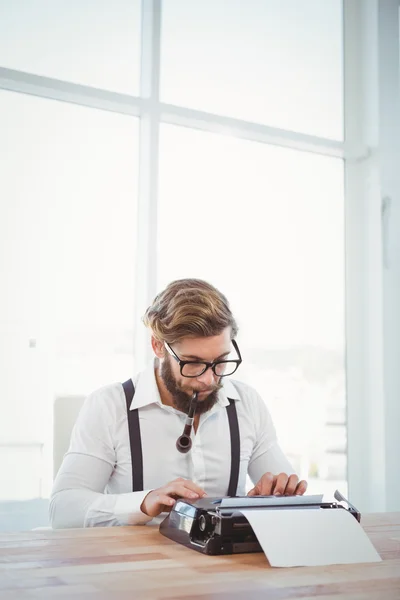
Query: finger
[194, 487]
[179, 490]
[253, 492]
[165, 502]
[188, 484]
[301, 488]
[291, 485]
[280, 484]
[266, 484]
[155, 503]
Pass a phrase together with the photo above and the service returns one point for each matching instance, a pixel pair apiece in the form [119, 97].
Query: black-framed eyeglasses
[195, 368]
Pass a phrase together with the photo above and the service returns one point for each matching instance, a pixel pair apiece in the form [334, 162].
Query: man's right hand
[162, 499]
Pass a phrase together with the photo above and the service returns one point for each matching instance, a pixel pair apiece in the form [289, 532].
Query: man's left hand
[279, 485]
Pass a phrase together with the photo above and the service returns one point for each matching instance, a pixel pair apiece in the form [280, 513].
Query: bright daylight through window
[199, 142]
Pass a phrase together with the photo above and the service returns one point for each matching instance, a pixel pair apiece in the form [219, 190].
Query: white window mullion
[372, 234]
[67, 91]
[146, 267]
[389, 154]
[257, 132]
[365, 458]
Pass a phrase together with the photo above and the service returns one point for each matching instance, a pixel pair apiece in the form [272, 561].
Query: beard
[181, 398]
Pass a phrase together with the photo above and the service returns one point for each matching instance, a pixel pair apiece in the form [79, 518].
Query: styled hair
[189, 308]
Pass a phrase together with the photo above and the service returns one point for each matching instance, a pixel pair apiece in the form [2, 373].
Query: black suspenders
[235, 447]
[136, 442]
[134, 438]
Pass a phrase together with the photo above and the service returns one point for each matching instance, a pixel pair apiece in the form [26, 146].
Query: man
[193, 338]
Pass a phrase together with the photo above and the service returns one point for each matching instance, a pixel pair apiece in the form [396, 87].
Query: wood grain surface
[137, 562]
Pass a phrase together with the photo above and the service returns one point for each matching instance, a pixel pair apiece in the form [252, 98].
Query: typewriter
[217, 526]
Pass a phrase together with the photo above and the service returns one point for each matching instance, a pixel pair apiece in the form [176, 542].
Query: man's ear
[158, 347]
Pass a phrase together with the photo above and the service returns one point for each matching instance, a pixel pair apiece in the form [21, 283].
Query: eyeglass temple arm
[234, 344]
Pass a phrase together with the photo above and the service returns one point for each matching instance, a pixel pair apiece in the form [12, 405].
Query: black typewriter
[217, 526]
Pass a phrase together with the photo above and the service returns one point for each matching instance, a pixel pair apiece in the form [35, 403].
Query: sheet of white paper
[251, 501]
[301, 537]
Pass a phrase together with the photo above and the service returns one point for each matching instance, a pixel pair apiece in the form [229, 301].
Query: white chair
[65, 412]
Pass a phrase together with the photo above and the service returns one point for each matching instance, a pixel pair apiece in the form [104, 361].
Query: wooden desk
[138, 563]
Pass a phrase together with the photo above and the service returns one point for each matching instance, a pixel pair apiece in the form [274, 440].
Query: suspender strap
[134, 438]
[235, 447]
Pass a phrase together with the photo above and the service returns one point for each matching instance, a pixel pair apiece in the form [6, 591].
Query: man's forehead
[205, 347]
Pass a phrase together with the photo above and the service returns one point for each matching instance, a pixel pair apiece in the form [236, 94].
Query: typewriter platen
[216, 525]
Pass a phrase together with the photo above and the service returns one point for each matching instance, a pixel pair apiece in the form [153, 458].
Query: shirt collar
[146, 389]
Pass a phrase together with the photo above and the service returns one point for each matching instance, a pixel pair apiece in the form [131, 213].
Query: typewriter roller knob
[205, 523]
[202, 523]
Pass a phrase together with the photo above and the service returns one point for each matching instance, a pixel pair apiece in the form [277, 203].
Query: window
[263, 224]
[91, 42]
[84, 249]
[275, 63]
[67, 223]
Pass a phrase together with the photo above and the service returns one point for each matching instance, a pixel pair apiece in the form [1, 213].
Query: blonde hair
[189, 308]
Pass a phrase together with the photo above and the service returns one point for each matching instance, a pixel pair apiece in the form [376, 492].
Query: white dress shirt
[94, 483]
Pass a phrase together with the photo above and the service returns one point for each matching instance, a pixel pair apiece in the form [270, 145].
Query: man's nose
[207, 378]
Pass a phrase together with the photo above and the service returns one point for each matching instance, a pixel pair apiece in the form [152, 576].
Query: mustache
[210, 390]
